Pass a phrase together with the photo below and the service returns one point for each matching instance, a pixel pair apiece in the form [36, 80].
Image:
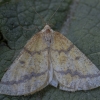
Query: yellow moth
[49, 58]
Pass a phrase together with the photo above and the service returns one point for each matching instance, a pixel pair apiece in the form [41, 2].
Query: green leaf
[82, 27]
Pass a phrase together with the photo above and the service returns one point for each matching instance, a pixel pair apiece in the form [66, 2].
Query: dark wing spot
[77, 58]
[22, 62]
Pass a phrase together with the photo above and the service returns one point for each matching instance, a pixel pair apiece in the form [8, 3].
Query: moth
[49, 58]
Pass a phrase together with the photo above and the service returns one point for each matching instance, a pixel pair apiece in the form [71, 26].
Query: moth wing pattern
[29, 72]
[49, 58]
[73, 70]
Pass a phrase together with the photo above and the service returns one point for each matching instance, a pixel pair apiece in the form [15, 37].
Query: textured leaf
[83, 31]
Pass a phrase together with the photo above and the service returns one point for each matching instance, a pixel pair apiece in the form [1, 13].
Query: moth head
[47, 29]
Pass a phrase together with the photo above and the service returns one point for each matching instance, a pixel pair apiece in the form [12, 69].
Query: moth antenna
[39, 16]
[31, 28]
[42, 17]
[54, 13]
[50, 17]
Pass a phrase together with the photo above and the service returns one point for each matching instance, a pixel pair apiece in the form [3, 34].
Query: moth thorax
[48, 38]
[48, 35]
